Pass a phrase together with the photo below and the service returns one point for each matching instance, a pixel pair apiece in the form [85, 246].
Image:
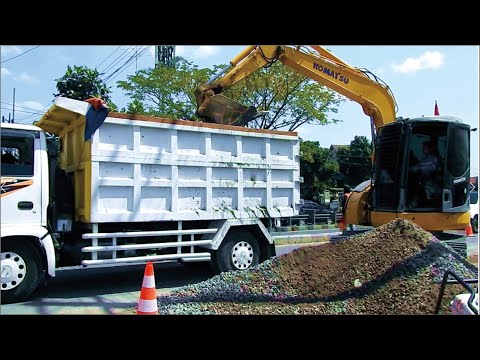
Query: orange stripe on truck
[10, 185]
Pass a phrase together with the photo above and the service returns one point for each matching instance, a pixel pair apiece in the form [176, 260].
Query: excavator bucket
[222, 110]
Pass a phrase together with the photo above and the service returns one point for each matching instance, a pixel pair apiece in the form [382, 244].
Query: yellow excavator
[437, 199]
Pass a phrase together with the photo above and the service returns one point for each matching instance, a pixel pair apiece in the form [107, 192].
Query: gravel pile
[394, 269]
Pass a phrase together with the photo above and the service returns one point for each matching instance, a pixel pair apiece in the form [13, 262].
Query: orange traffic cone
[468, 230]
[147, 305]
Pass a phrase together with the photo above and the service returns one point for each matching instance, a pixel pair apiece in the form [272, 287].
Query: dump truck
[139, 189]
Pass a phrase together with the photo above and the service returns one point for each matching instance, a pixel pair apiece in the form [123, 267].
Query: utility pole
[165, 56]
[13, 116]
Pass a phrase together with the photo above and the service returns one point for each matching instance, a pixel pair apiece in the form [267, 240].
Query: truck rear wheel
[239, 251]
[21, 266]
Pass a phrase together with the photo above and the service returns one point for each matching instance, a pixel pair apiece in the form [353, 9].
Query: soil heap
[393, 269]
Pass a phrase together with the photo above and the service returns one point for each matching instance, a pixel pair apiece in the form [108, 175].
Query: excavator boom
[375, 97]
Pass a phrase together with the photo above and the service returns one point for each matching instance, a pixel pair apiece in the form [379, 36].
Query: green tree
[317, 169]
[165, 92]
[135, 107]
[81, 83]
[288, 98]
[355, 162]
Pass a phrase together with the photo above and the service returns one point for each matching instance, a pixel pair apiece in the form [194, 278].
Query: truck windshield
[17, 154]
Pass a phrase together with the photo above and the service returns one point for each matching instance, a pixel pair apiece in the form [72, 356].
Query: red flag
[436, 109]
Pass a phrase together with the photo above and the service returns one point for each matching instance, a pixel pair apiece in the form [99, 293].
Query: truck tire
[21, 266]
[239, 251]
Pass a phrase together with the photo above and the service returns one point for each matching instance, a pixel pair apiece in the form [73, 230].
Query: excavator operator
[424, 173]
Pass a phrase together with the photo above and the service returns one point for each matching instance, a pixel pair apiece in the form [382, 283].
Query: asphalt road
[115, 290]
[109, 290]
[102, 291]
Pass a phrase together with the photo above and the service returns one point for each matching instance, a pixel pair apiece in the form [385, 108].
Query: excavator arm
[322, 66]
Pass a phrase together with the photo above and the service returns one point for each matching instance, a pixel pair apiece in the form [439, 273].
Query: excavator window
[387, 165]
[459, 144]
[458, 165]
[427, 148]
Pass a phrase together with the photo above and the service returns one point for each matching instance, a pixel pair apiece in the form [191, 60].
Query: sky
[417, 75]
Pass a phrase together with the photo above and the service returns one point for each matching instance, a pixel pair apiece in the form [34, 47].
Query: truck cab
[27, 246]
[24, 184]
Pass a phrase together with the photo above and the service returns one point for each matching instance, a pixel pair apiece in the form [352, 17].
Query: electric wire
[25, 52]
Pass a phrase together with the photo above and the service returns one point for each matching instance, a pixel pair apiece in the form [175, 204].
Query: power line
[22, 107]
[129, 64]
[26, 118]
[117, 60]
[42, 110]
[46, 106]
[28, 112]
[118, 48]
[29, 117]
[20, 54]
[124, 66]
[112, 66]
[25, 121]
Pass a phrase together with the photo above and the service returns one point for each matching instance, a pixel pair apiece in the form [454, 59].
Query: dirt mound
[394, 269]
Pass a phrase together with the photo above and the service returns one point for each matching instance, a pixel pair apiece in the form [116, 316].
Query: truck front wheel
[21, 265]
[239, 251]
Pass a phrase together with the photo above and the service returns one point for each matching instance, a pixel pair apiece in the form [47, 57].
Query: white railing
[179, 244]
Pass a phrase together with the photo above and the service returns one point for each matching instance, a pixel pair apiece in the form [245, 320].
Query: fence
[311, 219]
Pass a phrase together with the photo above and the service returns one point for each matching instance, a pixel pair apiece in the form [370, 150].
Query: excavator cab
[422, 165]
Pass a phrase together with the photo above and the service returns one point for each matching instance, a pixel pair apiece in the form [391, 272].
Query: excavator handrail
[458, 280]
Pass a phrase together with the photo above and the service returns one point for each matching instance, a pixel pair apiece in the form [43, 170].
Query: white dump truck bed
[138, 168]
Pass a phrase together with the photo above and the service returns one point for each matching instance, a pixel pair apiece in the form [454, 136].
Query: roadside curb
[304, 227]
[297, 237]
[303, 239]
[314, 243]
